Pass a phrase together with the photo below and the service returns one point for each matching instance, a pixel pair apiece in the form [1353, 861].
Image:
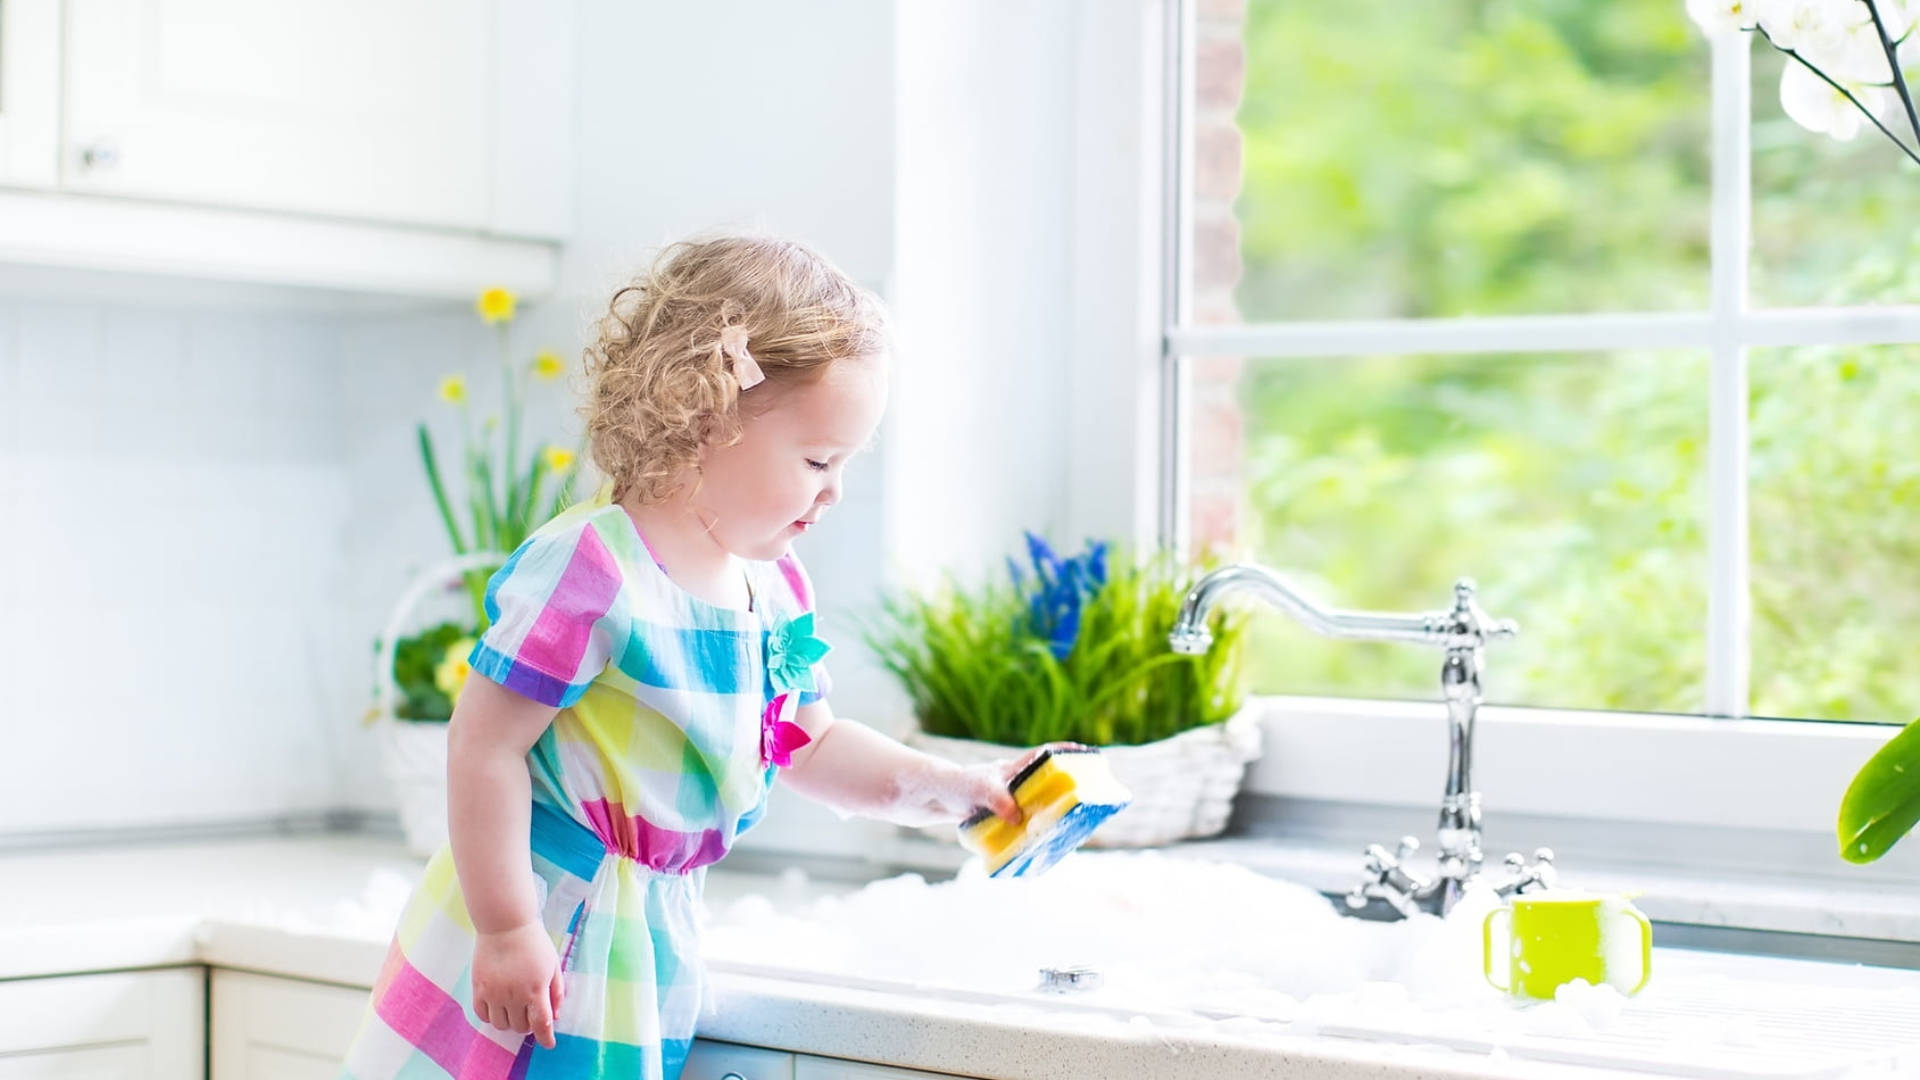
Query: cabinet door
[711, 1060]
[127, 1025]
[270, 1028]
[29, 93]
[374, 109]
[819, 1068]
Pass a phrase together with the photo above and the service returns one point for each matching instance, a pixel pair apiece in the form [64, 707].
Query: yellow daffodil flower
[496, 305]
[450, 675]
[558, 459]
[453, 389]
[547, 364]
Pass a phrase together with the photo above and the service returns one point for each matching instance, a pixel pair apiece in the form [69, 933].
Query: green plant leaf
[1883, 802]
[483, 477]
[514, 387]
[414, 660]
[432, 464]
[563, 498]
[527, 495]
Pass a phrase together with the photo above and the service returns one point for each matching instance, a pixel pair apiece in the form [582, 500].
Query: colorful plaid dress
[675, 715]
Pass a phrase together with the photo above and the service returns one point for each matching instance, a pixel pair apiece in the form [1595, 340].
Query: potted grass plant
[505, 491]
[1075, 649]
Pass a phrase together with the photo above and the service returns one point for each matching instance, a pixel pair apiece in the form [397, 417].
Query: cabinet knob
[733, 1076]
[102, 154]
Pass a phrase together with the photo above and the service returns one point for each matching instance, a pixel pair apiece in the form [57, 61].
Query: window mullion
[1581, 333]
[1176, 242]
[1729, 557]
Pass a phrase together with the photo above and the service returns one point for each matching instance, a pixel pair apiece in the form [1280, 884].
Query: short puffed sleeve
[559, 616]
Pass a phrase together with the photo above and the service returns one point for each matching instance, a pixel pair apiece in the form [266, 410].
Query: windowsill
[1654, 769]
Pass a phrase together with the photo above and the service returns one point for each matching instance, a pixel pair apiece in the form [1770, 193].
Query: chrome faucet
[1463, 632]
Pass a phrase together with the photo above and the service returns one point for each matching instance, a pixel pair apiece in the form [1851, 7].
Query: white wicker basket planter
[1183, 786]
[413, 753]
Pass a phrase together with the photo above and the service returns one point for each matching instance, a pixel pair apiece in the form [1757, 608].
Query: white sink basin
[1185, 942]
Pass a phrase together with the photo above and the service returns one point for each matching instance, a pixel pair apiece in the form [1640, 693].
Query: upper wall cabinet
[30, 93]
[430, 117]
[369, 109]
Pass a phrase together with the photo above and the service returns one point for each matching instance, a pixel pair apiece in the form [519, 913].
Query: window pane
[1833, 221]
[1836, 537]
[1449, 157]
[1569, 487]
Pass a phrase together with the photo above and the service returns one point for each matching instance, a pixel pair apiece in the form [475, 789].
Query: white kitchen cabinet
[125, 1025]
[270, 1028]
[373, 109]
[710, 1060]
[807, 1067]
[30, 93]
[402, 147]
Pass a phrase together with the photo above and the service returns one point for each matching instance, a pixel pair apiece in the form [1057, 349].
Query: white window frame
[1718, 771]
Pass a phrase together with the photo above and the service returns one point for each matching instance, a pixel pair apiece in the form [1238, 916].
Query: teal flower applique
[792, 650]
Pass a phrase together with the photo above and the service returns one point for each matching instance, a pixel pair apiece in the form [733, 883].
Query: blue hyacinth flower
[1060, 590]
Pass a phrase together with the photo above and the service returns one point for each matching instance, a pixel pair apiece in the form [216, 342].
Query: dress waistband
[578, 848]
[565, 842]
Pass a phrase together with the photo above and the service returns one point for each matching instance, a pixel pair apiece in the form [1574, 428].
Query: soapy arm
[856, 770]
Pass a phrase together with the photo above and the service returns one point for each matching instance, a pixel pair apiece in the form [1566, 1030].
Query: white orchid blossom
[1900, 17]
[1811, 102]
[1808, 27]
[1840, 77]
[1722, 17]
[1856, 56]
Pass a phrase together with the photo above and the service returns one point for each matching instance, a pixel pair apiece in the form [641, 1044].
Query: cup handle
[1486, 947]
[1646, 948]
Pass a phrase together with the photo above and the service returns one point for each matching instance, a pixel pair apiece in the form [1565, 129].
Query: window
[1550, 295]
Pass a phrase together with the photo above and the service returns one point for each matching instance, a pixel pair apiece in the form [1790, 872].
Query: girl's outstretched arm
[857, 770]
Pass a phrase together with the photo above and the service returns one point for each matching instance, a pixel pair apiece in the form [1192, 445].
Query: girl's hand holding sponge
[957, 792]
[1040, 806]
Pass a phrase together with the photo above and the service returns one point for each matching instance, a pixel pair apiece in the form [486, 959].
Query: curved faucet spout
[1190, 634]
[1462, 631]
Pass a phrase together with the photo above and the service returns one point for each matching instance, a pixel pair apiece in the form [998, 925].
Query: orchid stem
[1844, 92]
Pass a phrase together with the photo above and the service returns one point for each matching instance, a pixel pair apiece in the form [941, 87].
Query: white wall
[978, 431]
[171, 514]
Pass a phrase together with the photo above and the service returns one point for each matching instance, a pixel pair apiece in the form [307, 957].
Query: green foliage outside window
[1473, 157]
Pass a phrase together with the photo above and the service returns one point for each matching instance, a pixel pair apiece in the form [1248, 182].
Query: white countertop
[298, 906]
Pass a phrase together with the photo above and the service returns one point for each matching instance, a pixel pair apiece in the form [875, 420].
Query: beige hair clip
[733, 342]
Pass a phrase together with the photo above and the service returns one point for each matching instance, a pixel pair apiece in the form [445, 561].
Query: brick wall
[1217, 501]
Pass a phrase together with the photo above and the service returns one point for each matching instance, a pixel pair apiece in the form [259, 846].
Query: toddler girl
[650, 667]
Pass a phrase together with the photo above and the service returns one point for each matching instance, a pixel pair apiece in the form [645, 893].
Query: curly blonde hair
[661, 385]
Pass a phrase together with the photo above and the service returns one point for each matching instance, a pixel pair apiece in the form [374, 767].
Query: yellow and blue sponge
[1065, 795]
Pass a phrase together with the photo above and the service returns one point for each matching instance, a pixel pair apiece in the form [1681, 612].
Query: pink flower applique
[780, 737]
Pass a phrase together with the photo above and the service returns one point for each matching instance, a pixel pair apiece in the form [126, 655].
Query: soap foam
[1163, 931]
[1620, 944]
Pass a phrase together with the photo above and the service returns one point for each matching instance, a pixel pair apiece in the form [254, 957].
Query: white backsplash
[174, 489]
[205, 517]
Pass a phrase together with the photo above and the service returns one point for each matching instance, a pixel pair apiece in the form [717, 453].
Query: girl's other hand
[516, 981]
